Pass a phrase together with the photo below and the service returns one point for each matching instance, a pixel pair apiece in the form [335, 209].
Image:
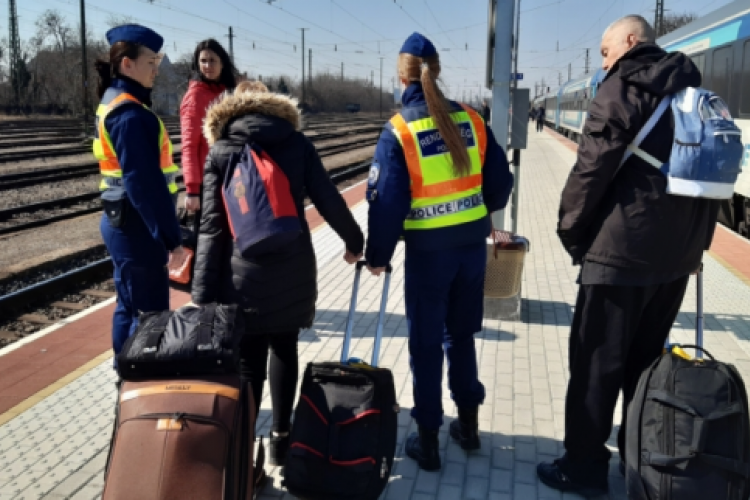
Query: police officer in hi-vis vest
[438, 173]
[139, 226]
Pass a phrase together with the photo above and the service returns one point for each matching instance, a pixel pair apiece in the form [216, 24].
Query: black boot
[277, 449]
[465, 430]
[587, 478]
[424, 448]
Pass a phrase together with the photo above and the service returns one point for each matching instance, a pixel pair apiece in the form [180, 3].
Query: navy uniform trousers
[141, 278]
[444, 305]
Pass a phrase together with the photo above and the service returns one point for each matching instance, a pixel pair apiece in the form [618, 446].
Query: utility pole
[516, 159]
[499, 68]
[309, 68]
[570, 71]
[231, 44]
[342, 72]
[303, 62]
[587, 61]
[84, 70]
[659, 20]
[559, 78]
[381, 87]
[15, 53]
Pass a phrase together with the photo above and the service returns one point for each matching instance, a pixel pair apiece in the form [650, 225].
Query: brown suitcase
[183, 439]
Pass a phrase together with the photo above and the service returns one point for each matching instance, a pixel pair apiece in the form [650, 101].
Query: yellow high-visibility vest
[104, 151]
[440, 198]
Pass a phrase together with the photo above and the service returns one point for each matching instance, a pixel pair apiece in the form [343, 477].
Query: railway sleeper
[69, 306]
[100, 294]
[37, 319]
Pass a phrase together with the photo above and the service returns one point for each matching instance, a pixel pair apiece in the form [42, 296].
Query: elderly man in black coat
[636, 244]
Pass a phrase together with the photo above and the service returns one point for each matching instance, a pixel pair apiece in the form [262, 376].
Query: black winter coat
[625, 218]
[281, 287]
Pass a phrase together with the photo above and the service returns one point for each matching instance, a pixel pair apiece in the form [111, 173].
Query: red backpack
[261, 211]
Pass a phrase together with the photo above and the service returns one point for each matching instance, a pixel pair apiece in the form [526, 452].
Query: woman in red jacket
[215, 73]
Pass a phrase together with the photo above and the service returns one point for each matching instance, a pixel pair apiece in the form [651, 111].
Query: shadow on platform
[546, 312]
[499, 452]
[331, 322]
[737, 324]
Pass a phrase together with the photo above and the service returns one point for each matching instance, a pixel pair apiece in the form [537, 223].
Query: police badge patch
[372, 179]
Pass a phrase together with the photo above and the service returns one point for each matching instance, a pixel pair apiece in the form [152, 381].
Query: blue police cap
[418, 45]
[135, 33]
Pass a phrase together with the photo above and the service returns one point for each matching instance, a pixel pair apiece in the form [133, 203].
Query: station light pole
[303, 62]
[84, 71]
[381, 87]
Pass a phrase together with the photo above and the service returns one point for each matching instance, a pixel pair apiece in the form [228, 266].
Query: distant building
[168, 90]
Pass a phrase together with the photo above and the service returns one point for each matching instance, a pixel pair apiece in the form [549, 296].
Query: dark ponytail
[426, 71]
[108, 70]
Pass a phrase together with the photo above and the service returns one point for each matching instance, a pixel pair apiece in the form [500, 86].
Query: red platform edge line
[39, 364]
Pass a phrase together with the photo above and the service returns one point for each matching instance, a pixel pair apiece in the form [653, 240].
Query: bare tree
[52, 24]
[673, 22]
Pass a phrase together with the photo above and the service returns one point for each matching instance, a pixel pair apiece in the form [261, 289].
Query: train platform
[57, 387]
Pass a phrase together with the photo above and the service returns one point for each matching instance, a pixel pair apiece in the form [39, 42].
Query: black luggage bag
[343, 439]
[189, 341]
[688, 432]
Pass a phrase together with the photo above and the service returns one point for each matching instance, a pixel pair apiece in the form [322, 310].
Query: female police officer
[437, 173]
[139, 226]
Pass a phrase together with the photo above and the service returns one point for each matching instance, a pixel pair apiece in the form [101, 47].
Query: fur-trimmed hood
[232, 106]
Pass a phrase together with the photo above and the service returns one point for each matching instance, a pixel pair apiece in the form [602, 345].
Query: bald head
[622, 35]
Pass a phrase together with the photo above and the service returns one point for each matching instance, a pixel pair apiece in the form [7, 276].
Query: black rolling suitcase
[343, 439]
[688, 432]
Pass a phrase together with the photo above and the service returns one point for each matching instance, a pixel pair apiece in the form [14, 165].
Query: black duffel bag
[192, 340]
[688, 427]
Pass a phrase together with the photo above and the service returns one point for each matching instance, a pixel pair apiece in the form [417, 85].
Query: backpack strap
[634, 147]
[155, 333]
[206, 327]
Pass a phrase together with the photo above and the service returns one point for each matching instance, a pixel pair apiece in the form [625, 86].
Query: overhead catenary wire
[183, 32]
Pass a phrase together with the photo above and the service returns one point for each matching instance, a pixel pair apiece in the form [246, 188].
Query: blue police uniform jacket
[134, 131]
[389, 192]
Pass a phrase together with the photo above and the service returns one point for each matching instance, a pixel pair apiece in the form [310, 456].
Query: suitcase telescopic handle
[699, 313]
[699, 351]
[353, 306]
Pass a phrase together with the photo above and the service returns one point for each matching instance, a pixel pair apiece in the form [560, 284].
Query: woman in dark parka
[281, 287]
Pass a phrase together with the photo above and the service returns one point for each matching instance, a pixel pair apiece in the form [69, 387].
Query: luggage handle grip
[353, 306]
[698, 349]
[362, 263]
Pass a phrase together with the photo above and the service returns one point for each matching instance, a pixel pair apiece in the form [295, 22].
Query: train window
[721, 69]
[745, 85]
[700, 61]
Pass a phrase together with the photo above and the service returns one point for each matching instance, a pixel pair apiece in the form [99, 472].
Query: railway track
[49, 147]
[83, 169]
[70, 290]
[24, 217]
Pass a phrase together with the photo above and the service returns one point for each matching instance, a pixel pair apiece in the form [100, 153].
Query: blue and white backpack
[707, 149]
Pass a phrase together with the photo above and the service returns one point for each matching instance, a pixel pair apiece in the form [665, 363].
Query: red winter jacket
[194, 145]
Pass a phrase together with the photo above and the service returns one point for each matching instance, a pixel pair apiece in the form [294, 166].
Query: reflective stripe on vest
[104, 150]
[440, 198]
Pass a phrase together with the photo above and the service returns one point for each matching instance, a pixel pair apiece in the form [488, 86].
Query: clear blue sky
[359, 32]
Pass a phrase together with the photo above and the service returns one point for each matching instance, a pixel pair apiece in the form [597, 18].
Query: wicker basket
[505, 256]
